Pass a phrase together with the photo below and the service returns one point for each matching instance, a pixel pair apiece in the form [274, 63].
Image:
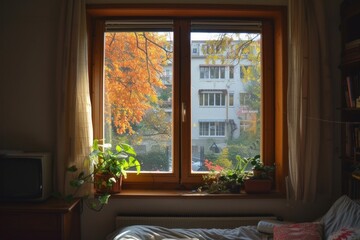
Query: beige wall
[28, 40]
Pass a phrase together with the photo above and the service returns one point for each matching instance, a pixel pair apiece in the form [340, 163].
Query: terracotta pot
[259, 173]
[257, 185]
[100, 181]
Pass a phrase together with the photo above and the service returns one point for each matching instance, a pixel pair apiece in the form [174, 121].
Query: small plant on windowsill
[260, 170]
[109, 167]
[220, 180]
[261, 180]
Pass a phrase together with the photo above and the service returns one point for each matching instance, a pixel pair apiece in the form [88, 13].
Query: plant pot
[101, 186]
[257, 186]
[235, 188]
[259, 173]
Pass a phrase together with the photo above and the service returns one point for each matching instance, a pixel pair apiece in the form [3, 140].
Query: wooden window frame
[274, 135]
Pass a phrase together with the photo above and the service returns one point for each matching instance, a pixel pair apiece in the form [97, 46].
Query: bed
[342, 221]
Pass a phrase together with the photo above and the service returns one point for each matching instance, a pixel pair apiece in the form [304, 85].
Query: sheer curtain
[74, 123]
[309, 102]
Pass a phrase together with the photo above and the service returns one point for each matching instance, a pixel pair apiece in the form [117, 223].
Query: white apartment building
[218, 101]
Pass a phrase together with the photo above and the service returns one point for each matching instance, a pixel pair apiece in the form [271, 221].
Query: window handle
[183, 111]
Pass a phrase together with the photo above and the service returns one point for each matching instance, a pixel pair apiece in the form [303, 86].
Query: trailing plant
[105, 160]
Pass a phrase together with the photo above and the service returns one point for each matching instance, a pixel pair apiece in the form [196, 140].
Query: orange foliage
[133, 64]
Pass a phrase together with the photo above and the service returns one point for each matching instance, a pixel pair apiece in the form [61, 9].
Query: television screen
[20, 178]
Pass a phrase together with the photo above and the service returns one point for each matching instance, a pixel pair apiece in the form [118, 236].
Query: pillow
[267, 226]
[343, 213]
[299, 231]
[346, 234]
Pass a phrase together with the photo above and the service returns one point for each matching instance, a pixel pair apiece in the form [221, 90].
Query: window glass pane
[222, 72]
[218, 97]
[202, 72]
[212, 72]
[212, 129]
[231, 72]
[211, 99]
[222, 99]
[231, 99]
[219, 133]
[206, 98]
[220, 130]
[138, 95]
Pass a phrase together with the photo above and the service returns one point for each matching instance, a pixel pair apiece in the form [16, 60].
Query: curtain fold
[74, 120]
[309, 102]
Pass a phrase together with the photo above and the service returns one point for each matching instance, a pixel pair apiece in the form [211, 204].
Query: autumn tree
[133, 64]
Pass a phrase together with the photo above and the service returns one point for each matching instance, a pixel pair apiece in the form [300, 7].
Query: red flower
[211, 167]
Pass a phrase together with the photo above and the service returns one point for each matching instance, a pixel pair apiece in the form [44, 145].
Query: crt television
[25, 176]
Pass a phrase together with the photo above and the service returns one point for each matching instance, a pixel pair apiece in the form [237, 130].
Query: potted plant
[221, 180]
[259, 169]
[109, 167]
[261, 180]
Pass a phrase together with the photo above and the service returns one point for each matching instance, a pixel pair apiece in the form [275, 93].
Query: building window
[212, 129]
[231, 99]
[231, 72]
[132, 107]
[204, 72]
[212, 72]
[212, 99]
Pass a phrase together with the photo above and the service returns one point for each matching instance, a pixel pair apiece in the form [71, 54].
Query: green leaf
[123, 172]
[118, 148]
[104, 199]
[121, 156]
[138, 166]
[132, 161]
[76, 183]
[73, 168]
[112, 180]
[129, 149]
[81, 175]
[95, 144]
[93, 206]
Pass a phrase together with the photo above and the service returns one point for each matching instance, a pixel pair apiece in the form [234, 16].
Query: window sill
[127, 193]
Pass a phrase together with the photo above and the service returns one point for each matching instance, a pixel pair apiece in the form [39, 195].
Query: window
[204, 72]
[212, 72]
[231, 99]
[167, 120]
[231, 72]
[212, 129]
[212, 99]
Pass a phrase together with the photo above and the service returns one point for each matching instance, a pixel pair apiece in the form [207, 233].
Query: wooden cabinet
[50, 220]
[350, 91]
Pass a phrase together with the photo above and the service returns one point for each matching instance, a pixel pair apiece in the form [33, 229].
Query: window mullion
[183, 46]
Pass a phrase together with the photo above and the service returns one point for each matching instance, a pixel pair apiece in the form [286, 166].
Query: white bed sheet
[145, 232]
